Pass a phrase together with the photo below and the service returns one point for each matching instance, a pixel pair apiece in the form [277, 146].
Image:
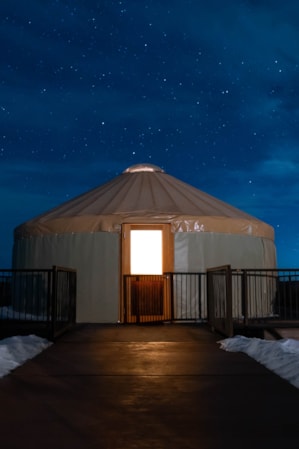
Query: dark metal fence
[220, 316]
[44, 301]
[167, 297]
[252, 297]
[187, 292]
[40, 301]
[144, 299]
[265, 295]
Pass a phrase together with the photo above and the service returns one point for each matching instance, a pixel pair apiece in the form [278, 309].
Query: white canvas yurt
[114, 230]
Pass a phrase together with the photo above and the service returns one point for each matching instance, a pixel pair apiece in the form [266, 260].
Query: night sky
[207, 90]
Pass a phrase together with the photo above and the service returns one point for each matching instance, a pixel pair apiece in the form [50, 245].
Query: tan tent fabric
[145, 194]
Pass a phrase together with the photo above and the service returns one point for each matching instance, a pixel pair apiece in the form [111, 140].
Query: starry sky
[207, 90]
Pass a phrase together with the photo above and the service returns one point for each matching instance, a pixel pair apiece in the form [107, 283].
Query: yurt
[144, 223]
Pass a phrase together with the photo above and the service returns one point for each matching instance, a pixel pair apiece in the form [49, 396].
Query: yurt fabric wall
[95, 256]
[201, 250]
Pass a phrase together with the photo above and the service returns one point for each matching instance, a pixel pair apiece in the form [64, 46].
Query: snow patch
[14, 351]
[281, 357]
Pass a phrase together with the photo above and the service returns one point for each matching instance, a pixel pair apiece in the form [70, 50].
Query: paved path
[163, 386]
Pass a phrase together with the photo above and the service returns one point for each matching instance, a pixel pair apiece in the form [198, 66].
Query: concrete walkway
[163, 386]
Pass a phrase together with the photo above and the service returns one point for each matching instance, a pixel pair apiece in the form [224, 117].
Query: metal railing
[144, 299]
[220, 315]
[44, 301]
[41, 301]
[265, 294]
[187, 292]
[248, 297]
[167, 297]
[286, 301]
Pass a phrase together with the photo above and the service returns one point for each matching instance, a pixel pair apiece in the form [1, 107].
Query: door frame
[167, 255]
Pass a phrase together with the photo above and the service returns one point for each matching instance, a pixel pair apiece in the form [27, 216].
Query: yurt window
[146, 252]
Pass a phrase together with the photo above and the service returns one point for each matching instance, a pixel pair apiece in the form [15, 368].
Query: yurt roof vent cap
[143, 167]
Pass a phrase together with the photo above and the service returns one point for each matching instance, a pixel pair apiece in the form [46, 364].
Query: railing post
[210, 301]
[290, 298]
[170, 276]
[244, 299]
[229, 305]
[137, 298]
[74, 296]
[49, 297]
[199, 296]
[54, 301]
[125, 286]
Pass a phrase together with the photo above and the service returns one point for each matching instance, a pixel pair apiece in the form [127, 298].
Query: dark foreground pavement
[163, 386]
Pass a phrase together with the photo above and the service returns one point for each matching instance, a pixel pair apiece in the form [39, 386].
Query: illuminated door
[147, 255]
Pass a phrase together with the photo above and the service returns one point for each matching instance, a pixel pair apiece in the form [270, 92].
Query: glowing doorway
[146, 252]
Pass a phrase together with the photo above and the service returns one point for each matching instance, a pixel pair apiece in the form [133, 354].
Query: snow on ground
[14, 351]
[281, 356]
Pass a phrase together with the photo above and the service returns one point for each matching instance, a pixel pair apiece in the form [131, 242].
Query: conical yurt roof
[144, 193]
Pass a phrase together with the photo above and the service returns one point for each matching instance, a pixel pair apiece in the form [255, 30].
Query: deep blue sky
[208, 90]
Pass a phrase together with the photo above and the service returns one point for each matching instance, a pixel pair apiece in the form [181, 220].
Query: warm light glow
[146, 252]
